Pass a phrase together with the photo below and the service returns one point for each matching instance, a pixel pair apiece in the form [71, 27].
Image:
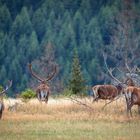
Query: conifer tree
[77, 82]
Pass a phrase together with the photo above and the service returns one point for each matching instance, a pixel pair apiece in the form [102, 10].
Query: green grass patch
[67, 130]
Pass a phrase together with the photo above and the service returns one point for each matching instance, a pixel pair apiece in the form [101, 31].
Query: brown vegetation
[61, 119]
[66, 109]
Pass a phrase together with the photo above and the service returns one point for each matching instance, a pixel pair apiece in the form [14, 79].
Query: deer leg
[39, 97]
[46, 100]
[95, 99]
[128, 97]
[127, 108]
[1, 109]
[130, 111]
[95, 95]
[47, 97]
[139, 109]
[105, 101]
[127, 105]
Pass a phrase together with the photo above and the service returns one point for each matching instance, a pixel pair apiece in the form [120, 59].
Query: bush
[28, 94]
[1, 88]
[67, 92]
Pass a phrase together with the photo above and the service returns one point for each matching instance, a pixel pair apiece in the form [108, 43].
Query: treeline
[46, 32]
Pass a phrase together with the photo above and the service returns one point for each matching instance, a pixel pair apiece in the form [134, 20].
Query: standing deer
[132, 91]
[43, 89]
[1, 98]
[132, 96]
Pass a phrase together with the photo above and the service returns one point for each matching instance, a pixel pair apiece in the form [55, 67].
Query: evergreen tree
[107, 22]
[78, 25]
[90, 26]
[77, 82]
[3, 74]
[33, 49]
[5, 19]
[39, 23]
[22, 25]
[2, 43]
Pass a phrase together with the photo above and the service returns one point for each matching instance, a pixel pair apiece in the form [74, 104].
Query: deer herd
[128, 89]
[111, 92]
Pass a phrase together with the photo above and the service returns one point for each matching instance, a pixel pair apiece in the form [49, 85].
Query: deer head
[43, 89]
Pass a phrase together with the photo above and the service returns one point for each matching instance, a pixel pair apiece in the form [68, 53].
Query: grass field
[65, 120]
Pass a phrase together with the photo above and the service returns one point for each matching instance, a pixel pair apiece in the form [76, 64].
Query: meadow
[62, 119]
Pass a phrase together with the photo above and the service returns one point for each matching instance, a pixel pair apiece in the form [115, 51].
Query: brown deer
[132, 91]
[43, 90]
[132, 96]
[108, 92]
[1, 98]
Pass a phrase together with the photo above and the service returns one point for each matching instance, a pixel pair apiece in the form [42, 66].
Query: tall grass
[65, 120]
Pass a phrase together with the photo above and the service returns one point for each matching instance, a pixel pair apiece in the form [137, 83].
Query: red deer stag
[43, 89]
[108, 92]
[1, 98]
[132, 96]
[132, 91]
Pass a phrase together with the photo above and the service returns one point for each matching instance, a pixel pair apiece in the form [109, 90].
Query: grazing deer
[1, 98]
[128, 88]
[132, 96]
[43, 89]
[106, 92]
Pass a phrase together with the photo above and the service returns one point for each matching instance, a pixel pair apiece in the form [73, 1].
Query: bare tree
[124, 48]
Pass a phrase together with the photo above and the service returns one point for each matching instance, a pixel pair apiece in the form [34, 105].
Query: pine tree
[77, 82]
[5, 19]
[21, 25]
[39, 23]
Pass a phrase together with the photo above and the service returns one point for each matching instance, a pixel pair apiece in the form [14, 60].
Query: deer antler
[33, 74]
[128, 68]
[7, 87]
[137, 69]
[131, 71]
[110, 70]
[52, 75]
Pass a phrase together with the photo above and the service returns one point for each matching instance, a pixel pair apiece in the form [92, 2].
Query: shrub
[28, 94]
[1, 88]
[66, 92]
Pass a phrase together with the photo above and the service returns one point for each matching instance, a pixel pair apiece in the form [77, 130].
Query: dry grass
[63, 119]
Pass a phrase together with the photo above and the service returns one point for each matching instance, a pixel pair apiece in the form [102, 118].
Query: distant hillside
[46, 32]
